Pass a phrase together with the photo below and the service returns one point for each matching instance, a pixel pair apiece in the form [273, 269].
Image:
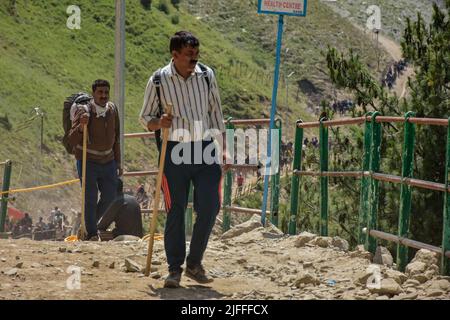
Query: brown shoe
[173, 280]
[198, 274]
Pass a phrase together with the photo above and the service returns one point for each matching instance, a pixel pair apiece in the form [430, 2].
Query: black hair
[183, 39]
[100, 83]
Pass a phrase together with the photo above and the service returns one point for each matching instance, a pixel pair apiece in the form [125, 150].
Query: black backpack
[78, 98]
[157, 84]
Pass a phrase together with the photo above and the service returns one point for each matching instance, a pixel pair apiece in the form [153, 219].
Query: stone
[155, 275]
[340, 243]
[3, 260]
[12, 272]
[19, 265]
[305, 278]
[411, 283]
[398, 276]
[383, 257]
[132, 266]
[303, 238]
[434, 293]
[422, 278]
[414, 268]
[241, 261]
[426, 256]
[382, 298]
[126, 238]
[406, 296]
[387, 287]
[96, 264]
[362, 276]
[443, 285]
[17, 258]
[360, 252]
[36, 265]
[253, 223]
[62, 249]
[323, 242]
[112, 265]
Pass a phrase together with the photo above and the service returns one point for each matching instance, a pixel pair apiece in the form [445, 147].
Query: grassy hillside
[42, 61]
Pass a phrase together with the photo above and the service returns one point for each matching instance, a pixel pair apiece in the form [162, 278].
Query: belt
[97, 153]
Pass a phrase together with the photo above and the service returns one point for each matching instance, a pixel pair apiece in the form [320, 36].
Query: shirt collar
[173, 72]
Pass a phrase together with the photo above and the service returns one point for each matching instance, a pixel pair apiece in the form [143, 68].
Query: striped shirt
[196, 108]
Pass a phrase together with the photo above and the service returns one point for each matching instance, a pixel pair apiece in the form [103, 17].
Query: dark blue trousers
[103, 178]
[206, 180]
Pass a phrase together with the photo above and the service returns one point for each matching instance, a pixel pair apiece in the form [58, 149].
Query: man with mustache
[191, 88]
[103, 152]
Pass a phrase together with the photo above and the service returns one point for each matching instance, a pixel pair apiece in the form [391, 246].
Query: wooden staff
[83, 232]
[157, 195]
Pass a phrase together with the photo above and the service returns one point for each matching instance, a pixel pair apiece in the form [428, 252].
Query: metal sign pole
[267, 170]
[119, 78]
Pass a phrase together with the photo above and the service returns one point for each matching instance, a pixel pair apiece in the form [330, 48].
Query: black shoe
[173, 280]
[198, 274]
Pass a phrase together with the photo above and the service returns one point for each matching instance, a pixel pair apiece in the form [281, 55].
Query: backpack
[157, 84]
[78, 98]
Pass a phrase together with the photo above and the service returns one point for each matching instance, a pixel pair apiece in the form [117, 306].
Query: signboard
[285, 7]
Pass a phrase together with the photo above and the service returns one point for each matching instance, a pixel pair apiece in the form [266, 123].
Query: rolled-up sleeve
[215, 106]
[150, 106]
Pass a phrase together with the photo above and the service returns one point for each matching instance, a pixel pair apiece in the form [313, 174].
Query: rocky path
[247, 262]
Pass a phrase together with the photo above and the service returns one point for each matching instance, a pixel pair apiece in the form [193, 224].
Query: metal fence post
[445, 263]
[295, 181]
[275, 180]
[189, 212]
[371, 242]
[323, 136]
[405, 193]
[364, 196]
[4, 200]
[228, 186]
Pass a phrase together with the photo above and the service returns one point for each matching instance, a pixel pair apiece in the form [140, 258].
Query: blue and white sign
[285, 7]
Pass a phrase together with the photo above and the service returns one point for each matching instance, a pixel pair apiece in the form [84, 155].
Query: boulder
[340, 243]
[361, 252]
[426, 256]
[303, 238]
[383, 257]
[323, 242]
[387, 287]
[253, 223]
[305, 278]
[414, 268]
[132, 266]
[398, 276]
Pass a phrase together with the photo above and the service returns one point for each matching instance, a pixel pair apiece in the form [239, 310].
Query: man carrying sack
[102, 154]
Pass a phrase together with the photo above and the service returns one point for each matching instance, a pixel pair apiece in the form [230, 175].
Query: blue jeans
[103, 178]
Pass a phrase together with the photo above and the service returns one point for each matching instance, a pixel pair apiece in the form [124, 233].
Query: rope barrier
[41, 187]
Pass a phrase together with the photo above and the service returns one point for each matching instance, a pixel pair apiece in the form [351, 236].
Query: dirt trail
[251, 263]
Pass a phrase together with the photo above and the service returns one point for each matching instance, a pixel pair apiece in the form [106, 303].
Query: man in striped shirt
[195, 122]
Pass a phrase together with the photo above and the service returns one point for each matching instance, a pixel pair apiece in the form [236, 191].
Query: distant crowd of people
[342, 106]
[393, 72]
[56, 224]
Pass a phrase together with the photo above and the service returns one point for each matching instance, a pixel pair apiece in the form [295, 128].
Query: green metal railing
[227, 206]
[5, 187]
[370, 177]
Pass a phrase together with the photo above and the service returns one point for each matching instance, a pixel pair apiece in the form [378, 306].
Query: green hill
[42, 62]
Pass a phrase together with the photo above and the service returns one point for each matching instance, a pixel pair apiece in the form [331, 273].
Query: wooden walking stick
[157, 195]
[83, 232]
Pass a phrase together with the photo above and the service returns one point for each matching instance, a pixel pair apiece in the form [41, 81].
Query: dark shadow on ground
[188, 292]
